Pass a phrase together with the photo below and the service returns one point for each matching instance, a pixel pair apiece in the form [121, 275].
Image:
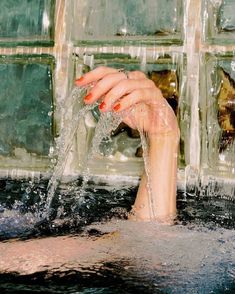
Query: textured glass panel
[26, 106]
[219, 21]
[27, 22]
[125, 143]
[218, 113]
[142, 21]
[226, 16]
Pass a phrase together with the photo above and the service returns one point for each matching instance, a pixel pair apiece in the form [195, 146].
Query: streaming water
[65, 142]
[145, 147]
[108, 122]
[118, 256]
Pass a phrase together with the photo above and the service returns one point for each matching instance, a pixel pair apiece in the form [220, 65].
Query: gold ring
[126, 73]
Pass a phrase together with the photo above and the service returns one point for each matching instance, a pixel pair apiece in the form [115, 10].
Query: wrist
[171, 137]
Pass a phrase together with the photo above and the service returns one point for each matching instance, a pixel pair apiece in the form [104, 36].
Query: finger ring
[126, 73]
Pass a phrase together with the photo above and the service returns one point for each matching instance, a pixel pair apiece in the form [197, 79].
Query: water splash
[66, 140]
[145, 147]
[108, 122]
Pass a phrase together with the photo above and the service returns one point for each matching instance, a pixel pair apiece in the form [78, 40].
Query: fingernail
[102, 106]
[117, 107]
[79, 80]
[88, 97]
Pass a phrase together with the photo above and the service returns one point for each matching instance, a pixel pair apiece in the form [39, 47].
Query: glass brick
[218, 21]
[26, 109]
[26, 22]
[125, 143]
[218, 113]
[133, 21]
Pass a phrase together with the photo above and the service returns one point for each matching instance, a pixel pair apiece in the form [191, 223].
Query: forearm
[162, 171]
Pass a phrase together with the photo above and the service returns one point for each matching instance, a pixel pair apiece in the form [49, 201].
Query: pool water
[88, 245]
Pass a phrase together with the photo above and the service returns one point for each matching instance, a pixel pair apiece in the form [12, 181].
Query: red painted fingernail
[79, 80]
[88, 97]
[102, 106]
[117, 107]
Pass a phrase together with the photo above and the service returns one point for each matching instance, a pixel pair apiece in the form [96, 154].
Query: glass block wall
[132, 22]
[27, 70]
[26, 108]
[27, 22]
[185, 46]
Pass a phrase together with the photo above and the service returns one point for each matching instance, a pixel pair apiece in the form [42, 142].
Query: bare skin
[147, 110]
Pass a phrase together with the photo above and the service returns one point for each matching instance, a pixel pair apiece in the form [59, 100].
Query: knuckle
[158, 92]
[124, 84]
[120, 88]
[98, 87]
[151, 83]
[138, 74]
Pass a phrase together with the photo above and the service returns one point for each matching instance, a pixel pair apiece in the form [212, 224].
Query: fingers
[135, 75]
[123, 88]
[150, 96]
[115, 87]
[133, 91]
[103, 86]
[95, 75]
[102, 71]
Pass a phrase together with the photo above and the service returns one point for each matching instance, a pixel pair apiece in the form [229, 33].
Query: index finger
[95, 75]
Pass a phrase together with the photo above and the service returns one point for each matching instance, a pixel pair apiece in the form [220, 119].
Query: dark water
[22, 203]
[108, 279]
[21, 208]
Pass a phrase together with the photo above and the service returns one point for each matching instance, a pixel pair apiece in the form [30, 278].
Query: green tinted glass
[219, 21]
[135, 21]
[27, 22]
[26, 104]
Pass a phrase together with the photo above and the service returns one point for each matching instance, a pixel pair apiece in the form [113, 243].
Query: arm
[148, 111]
[163, 173]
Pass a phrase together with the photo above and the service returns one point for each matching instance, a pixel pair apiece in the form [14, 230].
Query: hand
[135, 97]
[142, 106]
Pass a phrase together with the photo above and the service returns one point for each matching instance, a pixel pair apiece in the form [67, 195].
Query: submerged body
[142, 107]
[180, 260]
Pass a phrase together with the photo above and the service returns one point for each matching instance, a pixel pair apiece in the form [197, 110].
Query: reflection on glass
[26, 22]
[219, 21]
[226, 16]
[218, 113]
[111, 20]
[226, 109]
[167, 82]
[26, 104]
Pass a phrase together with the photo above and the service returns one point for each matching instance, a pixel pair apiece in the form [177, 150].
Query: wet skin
[142, 107]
